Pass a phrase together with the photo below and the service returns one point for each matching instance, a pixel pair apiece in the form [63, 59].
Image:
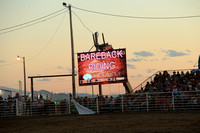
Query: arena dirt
[130, 122]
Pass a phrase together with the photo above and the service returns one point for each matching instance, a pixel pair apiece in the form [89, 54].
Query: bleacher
[163, 91]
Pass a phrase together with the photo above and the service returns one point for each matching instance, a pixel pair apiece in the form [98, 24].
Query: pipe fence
[159, 101]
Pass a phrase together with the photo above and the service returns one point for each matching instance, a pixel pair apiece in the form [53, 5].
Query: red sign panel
[102, 67]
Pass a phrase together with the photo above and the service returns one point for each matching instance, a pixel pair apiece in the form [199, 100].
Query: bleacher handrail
[140, 85]
[150, 78]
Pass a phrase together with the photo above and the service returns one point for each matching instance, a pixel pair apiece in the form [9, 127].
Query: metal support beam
[32, 92]
[100, 90]
[46, 76]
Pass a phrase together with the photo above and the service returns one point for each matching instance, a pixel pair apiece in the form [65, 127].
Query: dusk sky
[151, 44]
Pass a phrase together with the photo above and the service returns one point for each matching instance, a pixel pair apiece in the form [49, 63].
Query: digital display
[102, 67]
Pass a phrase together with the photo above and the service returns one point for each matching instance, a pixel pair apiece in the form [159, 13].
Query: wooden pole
[72, 52]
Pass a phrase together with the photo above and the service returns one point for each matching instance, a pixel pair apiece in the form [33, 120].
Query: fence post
[97, 103]
[122, 103]
[147, 100]
[56, 109]
[17, 107]
[173, 101]
[31, 108]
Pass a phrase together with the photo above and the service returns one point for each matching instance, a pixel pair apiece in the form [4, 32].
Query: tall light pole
[72, 51]
[23, 58]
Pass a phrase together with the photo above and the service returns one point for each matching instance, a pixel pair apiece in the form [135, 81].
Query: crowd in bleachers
[178, 81]
[164, 92]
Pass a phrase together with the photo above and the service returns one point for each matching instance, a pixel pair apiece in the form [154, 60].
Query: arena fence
[159, 101]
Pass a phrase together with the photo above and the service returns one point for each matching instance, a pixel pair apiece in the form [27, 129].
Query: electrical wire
[84, 26]
[48, 41]
[32, 23]
[91, 48]
[137, 17]
[32, 20]
[82, 22]
[43, 47]
[9, 64]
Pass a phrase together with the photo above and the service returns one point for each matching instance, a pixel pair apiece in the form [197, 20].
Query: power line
[24, 25]
[32, 20]
[82, 22]
[43, 47]
[9, 64]
[91, 48]
[49, 40]
[137, 17]
[84, 26]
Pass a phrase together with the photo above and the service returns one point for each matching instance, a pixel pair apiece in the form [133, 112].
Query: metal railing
[158, 101]
[150, 78]
[40, 107]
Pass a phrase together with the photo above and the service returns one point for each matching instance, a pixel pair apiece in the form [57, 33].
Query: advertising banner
[102, 67]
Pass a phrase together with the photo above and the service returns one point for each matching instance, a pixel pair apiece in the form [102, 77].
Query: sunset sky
[151, 44]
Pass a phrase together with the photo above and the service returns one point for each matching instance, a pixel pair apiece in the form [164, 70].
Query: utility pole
[72, 51]
[95, 37]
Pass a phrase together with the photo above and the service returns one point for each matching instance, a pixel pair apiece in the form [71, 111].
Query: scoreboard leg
[100, 90]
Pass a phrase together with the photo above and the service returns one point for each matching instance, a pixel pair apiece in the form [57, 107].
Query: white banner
[81, 109]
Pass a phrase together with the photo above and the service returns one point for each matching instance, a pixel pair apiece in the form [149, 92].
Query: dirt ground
[131, 122]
